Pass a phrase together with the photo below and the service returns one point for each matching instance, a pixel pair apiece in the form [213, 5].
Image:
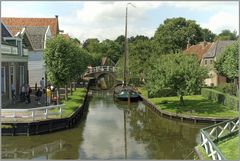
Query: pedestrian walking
[28, 93]
[13, 89]
[39, 95]
[23, 92]
[42, 84]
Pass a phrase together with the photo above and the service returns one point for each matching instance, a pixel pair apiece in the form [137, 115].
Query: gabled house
[199, 49]
[38, 31]
[14, 64]
[208, 59]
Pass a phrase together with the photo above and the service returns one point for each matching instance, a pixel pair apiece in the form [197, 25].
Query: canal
[110, 131]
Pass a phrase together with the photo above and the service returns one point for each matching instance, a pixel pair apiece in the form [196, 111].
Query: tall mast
[126, 52]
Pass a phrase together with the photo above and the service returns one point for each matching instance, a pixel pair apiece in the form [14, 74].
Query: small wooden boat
[122, 93]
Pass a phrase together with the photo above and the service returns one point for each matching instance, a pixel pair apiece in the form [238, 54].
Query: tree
[227, 35]
[180, 72]
[227, 63]
[61, 57]
[140, 49]
[94, 48]
[208, 35]
[172, 36]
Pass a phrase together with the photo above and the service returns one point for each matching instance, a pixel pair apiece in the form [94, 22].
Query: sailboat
[124, 92]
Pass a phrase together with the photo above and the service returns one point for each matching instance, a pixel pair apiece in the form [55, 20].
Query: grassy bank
[195, 105]
[230, 148]
[74, 101]
[203, 153]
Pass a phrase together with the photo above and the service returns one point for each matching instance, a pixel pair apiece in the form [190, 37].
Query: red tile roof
[199, 50]
[39, 22]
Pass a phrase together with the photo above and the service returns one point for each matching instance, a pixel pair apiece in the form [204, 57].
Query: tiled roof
[23, 22]
[36, 36]
[217, 48]
[199, 50]
[14, 29]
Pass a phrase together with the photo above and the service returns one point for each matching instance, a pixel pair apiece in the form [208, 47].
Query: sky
[106, 19]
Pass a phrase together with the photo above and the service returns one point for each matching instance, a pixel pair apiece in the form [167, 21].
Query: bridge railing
[101, 69]
[33, 113]
[213, 133]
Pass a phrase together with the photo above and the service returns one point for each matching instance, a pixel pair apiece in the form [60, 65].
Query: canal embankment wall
[47, 126]
[181, 117]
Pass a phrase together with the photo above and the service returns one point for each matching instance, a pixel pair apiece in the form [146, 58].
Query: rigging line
[188, 155]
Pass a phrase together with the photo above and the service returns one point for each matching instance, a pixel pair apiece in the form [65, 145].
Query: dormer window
[205, 62]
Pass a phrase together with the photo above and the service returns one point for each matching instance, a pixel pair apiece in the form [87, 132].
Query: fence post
[33, 115]
[60, 111]
[46, 113]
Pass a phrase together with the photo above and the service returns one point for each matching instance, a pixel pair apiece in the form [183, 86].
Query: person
[49, 95]
[13, 90]
[28, 93]
[42, 83]
[23, 92]
[13, 93]
[39, 95]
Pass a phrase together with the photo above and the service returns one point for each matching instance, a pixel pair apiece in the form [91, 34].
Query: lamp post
[126, 48]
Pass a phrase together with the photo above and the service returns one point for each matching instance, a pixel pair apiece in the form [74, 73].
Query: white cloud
[204, 5]
[101, 12]
[106, 20]
[221, 21]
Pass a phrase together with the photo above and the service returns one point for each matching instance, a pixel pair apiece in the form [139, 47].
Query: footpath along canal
[110, 131]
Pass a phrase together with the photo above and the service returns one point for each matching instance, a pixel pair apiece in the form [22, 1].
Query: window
[211, 61]
[21, 75]
[205, 62]
[3, 80]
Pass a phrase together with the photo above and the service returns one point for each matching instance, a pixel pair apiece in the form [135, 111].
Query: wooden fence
[211, 134]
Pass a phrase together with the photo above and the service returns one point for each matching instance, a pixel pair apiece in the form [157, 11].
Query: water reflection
[110, 131]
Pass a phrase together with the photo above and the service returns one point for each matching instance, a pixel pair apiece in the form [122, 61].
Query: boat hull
[123, 96]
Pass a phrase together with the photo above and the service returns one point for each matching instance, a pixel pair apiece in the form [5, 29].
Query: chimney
[204, 44]
[56, 16]
[188, 45]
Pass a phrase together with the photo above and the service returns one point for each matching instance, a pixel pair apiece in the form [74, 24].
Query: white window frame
[4, 80]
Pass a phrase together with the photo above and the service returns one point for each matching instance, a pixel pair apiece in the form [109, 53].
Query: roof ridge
[29, 17]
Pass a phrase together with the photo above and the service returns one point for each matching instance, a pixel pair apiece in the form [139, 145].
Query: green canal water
[110, 131]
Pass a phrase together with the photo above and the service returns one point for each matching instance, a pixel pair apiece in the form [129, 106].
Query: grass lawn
[195, 105]
[74, 101]
[230, 148]
[203, 153]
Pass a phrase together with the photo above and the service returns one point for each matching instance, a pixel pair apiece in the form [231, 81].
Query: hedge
[222, 98]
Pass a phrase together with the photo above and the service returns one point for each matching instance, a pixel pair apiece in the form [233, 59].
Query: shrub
[229, 88]
[167, 92]
[222, 98]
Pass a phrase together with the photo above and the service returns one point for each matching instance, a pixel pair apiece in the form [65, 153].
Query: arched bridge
[97, 71]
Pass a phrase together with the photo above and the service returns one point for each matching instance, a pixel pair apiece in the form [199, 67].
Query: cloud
[112, 12]
[221, 21]
[204, 5]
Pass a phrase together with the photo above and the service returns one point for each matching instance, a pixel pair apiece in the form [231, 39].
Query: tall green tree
[227, 62]
[180, 72]
[173, 35]
[62, 58]
[226, 35]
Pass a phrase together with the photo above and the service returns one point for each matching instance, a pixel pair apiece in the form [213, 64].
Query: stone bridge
[96, 72]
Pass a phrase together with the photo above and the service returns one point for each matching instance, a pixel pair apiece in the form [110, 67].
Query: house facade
[14, 65]
[208, 60]
[38, 31]
[207, 54]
